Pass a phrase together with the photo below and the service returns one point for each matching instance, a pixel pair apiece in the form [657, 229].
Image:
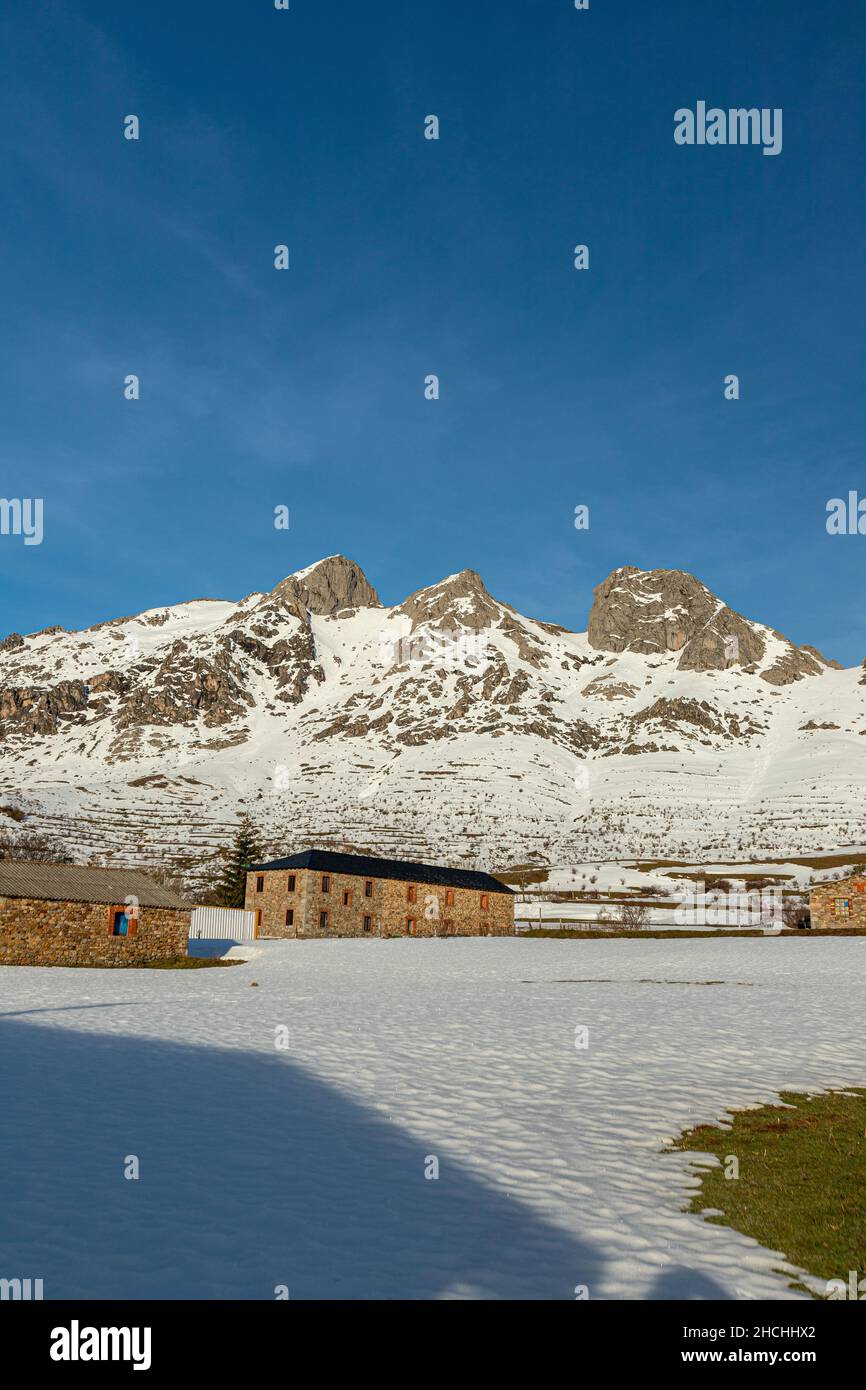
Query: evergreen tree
[246, 849]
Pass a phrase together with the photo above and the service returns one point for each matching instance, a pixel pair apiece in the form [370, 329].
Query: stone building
[835, 906]
[64, 914]
[319, 893]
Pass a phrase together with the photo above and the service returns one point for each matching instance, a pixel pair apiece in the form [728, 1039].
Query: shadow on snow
[254, 1173]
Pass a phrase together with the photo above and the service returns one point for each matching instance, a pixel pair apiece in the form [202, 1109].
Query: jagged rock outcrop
[605, 687]
[329, 587]
[462, 606]
[184, 685]
[819, 656]
[35, 710]
[459, 602]
[675, 714]
[658, 611]
[793, 665]
[290, 661]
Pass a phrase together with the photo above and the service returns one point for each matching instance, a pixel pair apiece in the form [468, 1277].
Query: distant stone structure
[66, 914]
[320, 893]
[834, 906]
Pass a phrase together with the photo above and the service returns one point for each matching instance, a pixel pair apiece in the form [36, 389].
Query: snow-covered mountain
[448, 727]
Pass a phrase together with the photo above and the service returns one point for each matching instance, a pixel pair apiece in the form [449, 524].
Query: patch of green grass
[823, 931]
[173, 963]
[188, 963]
[600, 934]
[802, 1179]
[579, 934]
[838, 859]
[522, 876]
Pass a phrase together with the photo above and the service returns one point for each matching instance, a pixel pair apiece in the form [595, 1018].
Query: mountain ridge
[449, 722]
[335, 583]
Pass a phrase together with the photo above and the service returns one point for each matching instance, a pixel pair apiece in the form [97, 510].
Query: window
[323, 921]
[843, 907]
[290, 917]
[260, 884]
[123, 921]
[326, 883]
[449, 898]
[485, 901]
[368, 924]
[347, 899]
[410, 926]
[291, 883]
[412, 893]
[368, 888]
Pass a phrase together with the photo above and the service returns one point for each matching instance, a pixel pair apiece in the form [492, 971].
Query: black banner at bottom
[81, 1339]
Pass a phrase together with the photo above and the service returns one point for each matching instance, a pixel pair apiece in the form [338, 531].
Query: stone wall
[437, 911]
[37, 932]
[432, 914]
[274, 901]
[827, 904]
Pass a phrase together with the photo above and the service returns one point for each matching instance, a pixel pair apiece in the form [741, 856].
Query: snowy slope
[448, 727]
[305, 1167]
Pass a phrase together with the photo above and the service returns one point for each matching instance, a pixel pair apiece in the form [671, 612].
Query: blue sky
[306, 388]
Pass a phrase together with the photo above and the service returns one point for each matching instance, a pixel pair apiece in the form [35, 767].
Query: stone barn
[835, 906]
[64, 914]
[320, 893]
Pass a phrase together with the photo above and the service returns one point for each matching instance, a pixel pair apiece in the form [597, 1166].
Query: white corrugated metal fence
[222, 924]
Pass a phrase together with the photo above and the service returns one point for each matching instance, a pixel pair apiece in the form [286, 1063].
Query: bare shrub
[634, 916]
[794, 911]
[719, 885]
[32, 846]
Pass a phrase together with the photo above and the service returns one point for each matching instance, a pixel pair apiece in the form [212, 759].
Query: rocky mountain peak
[328, 587]
[658, 611]
[460, 601]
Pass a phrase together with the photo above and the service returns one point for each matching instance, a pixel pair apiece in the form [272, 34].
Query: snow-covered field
[305, 1167]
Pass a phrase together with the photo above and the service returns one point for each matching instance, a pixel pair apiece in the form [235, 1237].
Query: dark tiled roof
[363, 866]
[74, 883]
